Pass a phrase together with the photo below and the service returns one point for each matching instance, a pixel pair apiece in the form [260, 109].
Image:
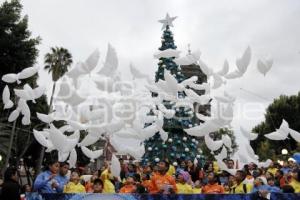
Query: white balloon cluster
[94, 101]
[24, 95]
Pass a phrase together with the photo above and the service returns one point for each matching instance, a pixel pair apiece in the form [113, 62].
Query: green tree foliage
[180, 145]
[57, 63]
[285, 107]
[18, 50]
[17, 47]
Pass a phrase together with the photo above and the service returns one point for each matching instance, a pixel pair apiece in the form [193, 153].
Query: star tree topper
[167, 21]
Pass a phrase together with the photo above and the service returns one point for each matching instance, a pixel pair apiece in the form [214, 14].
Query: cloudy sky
[219, 29]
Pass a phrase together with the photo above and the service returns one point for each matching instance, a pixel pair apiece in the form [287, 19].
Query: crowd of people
[161, 178]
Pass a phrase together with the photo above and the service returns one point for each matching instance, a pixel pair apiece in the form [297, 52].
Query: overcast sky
[219, 29]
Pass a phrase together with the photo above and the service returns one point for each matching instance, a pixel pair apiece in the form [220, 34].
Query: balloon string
[261, 97]
[2, 125]
[255, 94]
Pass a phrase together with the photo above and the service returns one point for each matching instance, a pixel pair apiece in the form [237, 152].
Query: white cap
[292, 159]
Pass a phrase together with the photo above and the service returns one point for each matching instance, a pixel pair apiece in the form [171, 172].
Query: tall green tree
[180, 145]
[284, 107]
[18, 50]
[57, 62]
[17, 46]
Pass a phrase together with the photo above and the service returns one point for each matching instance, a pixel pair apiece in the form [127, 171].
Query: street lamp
[284, 152]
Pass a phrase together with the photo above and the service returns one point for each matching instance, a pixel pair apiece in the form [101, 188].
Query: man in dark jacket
[10, 187]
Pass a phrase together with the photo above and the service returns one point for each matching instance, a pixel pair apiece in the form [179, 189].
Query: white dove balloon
[63, 156]
[24, 74]
[211, 125]
[243, 62]
[248, 134]
[234, 74]
[201, 99]
[22, 105]
[89, 140]
[29, 94]
[92, 61]
[73, 159]
[295, 135]
[115, 166]
[168, 53]
[45, 118]
[281, 133]
[226, 140]
[264, 66]
[224, 70]
[91, 154]
[111, 62]
[222, 154]
[265, 164]
[60, 141]
[163, 134]
[189, 59]
[11, 78]
[242, 65]
[14, 115]
[6, 98]
[218, 81]
[212, 144]
[41, 137]
[133, 147]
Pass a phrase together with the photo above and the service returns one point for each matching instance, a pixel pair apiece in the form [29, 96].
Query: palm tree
[57, 63]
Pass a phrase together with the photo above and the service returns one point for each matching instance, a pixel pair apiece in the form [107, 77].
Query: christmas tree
[179, 145]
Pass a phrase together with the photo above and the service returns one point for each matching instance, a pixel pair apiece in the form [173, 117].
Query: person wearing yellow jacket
[74, 186]
[108, 187]
[295, 183]
[182, 183]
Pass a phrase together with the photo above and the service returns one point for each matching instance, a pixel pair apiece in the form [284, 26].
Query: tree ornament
[149, 148]
[184, 138]
[198, 156]
[157, 159]
[186, 149]
[170, 140]
[175, 164]
[193, 140]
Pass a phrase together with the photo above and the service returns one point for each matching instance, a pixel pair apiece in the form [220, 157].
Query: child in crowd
[74, 186]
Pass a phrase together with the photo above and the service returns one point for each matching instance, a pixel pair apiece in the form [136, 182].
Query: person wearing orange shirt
[212, 186]
[129, 186]
[161, 181]
[146, 182]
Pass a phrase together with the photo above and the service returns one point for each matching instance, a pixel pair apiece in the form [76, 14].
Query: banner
[91, 196]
